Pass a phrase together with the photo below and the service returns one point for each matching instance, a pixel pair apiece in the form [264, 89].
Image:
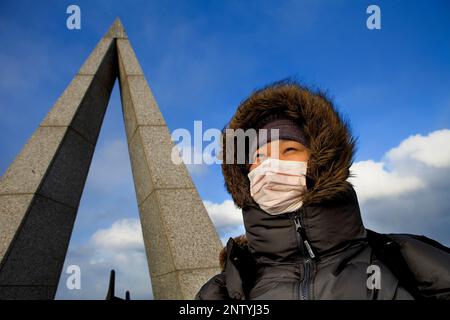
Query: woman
[304, 235]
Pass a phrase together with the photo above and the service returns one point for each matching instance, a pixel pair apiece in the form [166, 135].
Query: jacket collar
[328, 227]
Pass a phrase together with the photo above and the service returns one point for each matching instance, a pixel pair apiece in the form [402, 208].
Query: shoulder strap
[240, 270]
[388, 251]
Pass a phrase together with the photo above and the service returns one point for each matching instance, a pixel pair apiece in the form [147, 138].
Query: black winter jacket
[329, 257]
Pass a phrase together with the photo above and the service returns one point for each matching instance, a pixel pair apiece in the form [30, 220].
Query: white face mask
[278, 185]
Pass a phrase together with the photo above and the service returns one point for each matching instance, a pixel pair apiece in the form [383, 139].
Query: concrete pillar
[181, 242]
[41, 190]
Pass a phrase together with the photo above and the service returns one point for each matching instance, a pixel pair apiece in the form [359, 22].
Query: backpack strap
[430, 242]
[388, 251]
[240, 270]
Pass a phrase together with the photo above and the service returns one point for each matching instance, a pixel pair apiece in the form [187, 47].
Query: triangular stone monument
[41, 190]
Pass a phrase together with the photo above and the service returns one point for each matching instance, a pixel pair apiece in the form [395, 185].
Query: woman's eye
[290, 149]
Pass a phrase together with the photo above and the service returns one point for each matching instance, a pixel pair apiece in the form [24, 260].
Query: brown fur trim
[330, 142]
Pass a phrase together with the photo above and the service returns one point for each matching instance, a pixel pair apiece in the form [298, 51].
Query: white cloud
[118, 247]
[402, 168]
[372, 180]
[123, 234]
[407, 191]
[224, 214]
[432, 150]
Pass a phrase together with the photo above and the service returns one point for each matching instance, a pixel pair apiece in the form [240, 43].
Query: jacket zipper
[307, 251]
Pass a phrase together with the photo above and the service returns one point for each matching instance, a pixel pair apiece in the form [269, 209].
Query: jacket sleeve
[430, 265]
[214, 289]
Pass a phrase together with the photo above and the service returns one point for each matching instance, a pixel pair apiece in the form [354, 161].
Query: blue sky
[202, 58]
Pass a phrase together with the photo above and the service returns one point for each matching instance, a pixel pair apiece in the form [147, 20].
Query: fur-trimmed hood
[330, 142]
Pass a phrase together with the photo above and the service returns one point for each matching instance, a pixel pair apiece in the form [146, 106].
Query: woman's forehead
[280, 142]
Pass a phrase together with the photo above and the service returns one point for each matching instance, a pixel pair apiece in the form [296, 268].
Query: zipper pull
[297, 223]
[310, 251]
[298, 228]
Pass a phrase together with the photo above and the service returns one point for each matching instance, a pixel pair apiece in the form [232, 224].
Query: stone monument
[41, 190]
